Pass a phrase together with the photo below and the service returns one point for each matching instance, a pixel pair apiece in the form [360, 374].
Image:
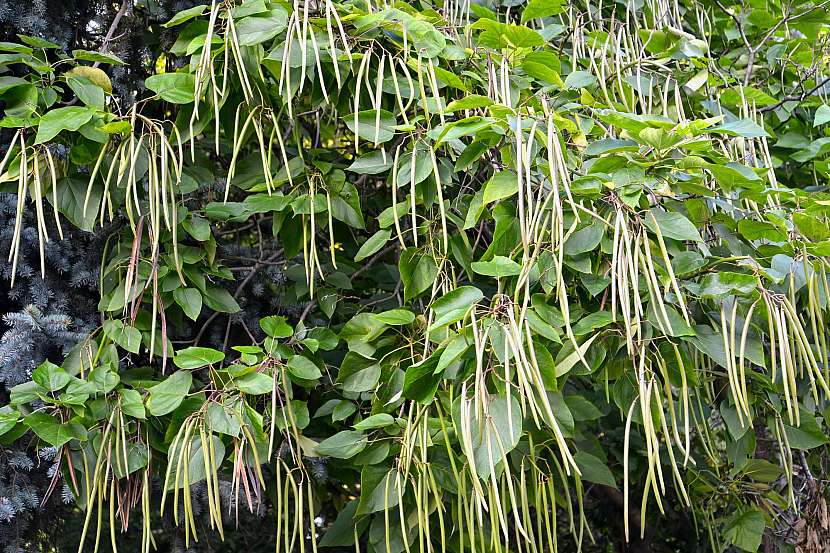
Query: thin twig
[374, 259]
[306, 310]
[254, 270]
[113, 26]
[796, 97]
[807, 472]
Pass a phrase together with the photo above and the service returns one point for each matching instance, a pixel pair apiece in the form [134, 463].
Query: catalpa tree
[394, 277]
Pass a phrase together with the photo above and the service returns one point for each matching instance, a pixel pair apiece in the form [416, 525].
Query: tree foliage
[466, 276]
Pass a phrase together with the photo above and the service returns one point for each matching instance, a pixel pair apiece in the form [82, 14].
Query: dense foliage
[497, 276]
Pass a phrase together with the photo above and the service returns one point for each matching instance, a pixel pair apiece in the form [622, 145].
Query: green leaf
[378, 489]
[570, 361]
[168, 394]
[758, 230]
[458, 129]
[742, 127]
[580, 79]
[198, 228]
[50, 377]
[456, 346]
[543, 65]
[469, 101]
[362, 329]
[594, 470]
[591, 322]
[327, 300]
[78, 392]
[499, 267]
[343, 445]
[733, 175]
[422, 163]
[585, 239]
[582, 409]
[53, 431]
[345, 205]
[372, 163]
[822, 115]
[687, 262]
[454, 305]
[812, 228]
[341, 533]
[808, 434]
[26, 392]
[219, 299]
[117, 127]
[87, 92]
[7, 82]
[99, 57]
[611, 145]
[13, 47]
[276, 327]
[373, 244]
[342, 410]
[370, 128]
[255, 383]
[303, 368]
[502, 185]
[20, 103]
[128, 337]
[736, 96]
[248, 7]
[176, 88]
[37, 42]
[375, 421]
[537, 9]
[230, 211]
[190, 300]
[762, 470]
[104, 378]
[300, 413]
[418, 271]
[710, 342]
[421, 379]
[223, 419]
[659, 139]
[54, 121]
[196, 357]
[672, 225]
[396, 317]
[500, 35]
[746, 529]
[259, 28]
[132, 404]
[634, 122]
[185, 15]
[138, 455]
[724, 284]
[362, 380]
[8, 421]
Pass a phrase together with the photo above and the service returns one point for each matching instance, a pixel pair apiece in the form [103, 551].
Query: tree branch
[374, 260]
[796, 97]
[254, 270]
[125, 4]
